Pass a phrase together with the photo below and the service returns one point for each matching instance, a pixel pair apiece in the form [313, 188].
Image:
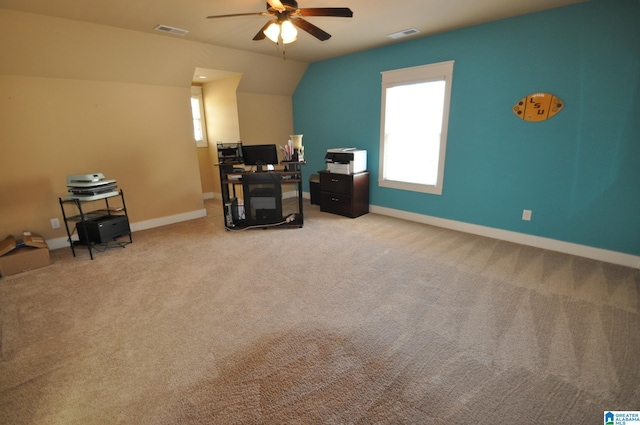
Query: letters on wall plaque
[538, 107]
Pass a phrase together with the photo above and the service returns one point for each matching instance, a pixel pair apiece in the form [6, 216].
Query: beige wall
[136, 134]
[221, 111]
[207, 171]
[36, 45]
[235, 116]
[83, 98]
[265, 119]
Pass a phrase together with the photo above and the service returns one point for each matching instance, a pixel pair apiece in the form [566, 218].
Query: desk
[262, 195]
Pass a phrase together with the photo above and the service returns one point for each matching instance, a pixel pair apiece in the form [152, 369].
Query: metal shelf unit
[81, 223]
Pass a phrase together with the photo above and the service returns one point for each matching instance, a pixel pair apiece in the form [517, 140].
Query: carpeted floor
[368, 321]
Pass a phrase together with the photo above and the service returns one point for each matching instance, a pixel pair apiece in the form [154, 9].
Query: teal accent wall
[579, 172]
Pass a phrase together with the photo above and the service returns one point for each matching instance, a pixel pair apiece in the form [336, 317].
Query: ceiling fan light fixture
[273, 32]
[283, 30]
[289, 33]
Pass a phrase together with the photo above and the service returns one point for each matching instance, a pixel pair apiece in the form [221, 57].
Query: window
[414, 121]
[197, 111]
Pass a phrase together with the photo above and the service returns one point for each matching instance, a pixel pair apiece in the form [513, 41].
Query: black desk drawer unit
[344, 194]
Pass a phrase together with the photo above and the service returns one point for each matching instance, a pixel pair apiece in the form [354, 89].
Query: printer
[346, 160]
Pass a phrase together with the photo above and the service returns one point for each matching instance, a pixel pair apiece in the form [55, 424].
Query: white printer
[346, 160]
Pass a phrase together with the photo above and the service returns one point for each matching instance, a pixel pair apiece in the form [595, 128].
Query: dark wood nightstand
[344, 194]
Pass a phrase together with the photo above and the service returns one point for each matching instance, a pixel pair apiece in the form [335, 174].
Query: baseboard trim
[141, 225]
[290, 194]
[57, 243]
[163, 221]
[599, 254]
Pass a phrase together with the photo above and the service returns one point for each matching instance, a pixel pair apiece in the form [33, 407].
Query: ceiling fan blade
[240, 14]
[311, 29]
[276, 4]
[261, 35]
[340, 12]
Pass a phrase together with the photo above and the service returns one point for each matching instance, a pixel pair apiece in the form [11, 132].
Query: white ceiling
[372, 22]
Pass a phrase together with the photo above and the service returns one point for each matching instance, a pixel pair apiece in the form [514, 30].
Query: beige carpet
[366, 321]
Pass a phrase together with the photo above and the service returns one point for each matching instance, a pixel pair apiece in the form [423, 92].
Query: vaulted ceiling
[370, 26]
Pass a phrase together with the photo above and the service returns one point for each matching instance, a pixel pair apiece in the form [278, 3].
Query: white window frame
[442, 71]
[196, 93]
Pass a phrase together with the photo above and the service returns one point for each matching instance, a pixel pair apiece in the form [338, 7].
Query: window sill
[413, 187]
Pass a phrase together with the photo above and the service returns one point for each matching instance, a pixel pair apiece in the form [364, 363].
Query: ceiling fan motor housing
[289, 6]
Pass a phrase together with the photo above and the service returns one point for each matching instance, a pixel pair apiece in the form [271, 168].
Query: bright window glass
[415, 109]
[197, 112]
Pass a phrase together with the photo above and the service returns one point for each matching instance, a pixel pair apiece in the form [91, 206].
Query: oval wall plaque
[538, 107]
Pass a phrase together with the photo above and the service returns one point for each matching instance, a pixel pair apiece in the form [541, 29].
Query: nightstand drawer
[336, 183]
[335, 203]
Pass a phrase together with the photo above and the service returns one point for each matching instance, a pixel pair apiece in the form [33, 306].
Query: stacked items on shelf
[230, 153]
[89, 187]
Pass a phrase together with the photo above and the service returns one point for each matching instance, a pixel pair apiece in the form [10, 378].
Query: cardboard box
[7, 245]
[31, 254]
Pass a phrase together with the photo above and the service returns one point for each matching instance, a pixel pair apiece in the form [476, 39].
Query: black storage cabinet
[344, 194]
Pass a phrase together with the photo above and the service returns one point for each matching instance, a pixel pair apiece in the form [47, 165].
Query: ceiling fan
[287, 16]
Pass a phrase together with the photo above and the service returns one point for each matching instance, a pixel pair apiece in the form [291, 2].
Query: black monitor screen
[260, 155]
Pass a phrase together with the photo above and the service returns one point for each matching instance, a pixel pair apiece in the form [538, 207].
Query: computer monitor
[260, 155]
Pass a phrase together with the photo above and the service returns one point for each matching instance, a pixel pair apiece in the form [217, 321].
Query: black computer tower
[262, 198]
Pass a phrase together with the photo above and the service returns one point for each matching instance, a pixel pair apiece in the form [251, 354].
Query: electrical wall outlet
[526, 215]
[55, 223]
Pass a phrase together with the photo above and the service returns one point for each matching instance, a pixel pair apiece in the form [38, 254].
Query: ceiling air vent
[170, 30]
[404, 33]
